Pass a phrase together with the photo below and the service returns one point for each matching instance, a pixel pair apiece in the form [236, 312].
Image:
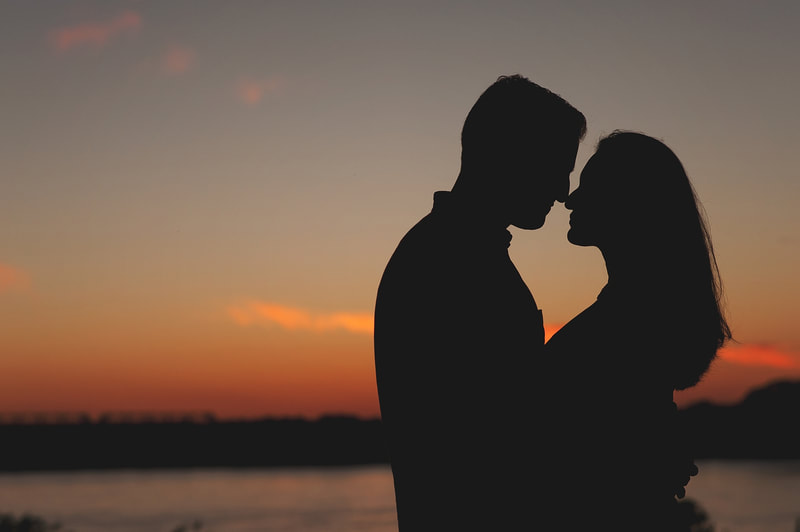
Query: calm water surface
[749, 496]
[739, 497]
[290, 500]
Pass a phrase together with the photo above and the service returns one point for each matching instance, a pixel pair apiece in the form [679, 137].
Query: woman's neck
[625, 269]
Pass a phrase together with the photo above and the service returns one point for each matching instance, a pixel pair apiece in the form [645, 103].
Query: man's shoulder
[427, 237]
[424, 258]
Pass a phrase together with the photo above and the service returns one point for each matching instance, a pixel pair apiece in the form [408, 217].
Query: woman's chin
[530, 222]
[576, 238]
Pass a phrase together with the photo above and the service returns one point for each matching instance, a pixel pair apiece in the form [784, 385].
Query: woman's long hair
[672, 237]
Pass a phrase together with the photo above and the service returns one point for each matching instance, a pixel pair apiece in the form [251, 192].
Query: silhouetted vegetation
[762, 426]
[259, 443]
[33, 523]
[28, 523]
[693, 517]
[189, 527]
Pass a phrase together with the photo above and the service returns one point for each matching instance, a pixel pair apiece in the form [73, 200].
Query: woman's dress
[608, 393]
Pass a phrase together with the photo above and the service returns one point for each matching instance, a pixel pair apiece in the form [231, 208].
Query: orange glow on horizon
[260, 359]
[234, 380]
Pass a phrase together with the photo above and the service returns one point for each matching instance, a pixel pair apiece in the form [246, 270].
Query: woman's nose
[571, 199]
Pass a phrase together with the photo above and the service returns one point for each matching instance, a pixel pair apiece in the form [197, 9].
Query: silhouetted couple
[489, 428]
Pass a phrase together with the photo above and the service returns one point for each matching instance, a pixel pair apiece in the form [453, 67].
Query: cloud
[177, 60]
[763, 355]
[12, 279]
[95, 33]
[760, 355]
[252, 91]
[297, 319]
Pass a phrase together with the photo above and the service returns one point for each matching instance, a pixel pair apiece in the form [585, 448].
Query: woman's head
[634, 195]
[637, 205]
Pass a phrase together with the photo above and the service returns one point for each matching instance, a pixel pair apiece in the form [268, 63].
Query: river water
[750, 496]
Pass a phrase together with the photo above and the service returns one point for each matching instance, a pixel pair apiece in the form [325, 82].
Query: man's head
[518, 147]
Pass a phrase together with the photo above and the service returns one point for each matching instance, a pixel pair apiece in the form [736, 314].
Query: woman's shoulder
[585, 328]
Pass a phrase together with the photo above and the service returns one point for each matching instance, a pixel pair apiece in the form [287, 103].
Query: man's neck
[481, 203]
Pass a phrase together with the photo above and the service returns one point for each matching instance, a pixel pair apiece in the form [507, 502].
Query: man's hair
[512, 113]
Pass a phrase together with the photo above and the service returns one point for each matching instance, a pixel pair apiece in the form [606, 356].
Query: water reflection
[737, 497]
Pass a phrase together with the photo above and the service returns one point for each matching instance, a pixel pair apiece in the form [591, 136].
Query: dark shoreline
[762, 427]
[157, 445]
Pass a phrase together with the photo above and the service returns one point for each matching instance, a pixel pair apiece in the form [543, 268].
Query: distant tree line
[762, 426]
[66, 418]
[259, 443]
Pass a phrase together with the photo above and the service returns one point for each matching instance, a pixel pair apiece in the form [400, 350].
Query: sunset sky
[197, 199]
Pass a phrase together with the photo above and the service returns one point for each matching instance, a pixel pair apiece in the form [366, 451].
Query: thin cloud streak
[297, 319]
[13, 279]
[178, 60]
[95, 33]
[760, 355]
[252, 91]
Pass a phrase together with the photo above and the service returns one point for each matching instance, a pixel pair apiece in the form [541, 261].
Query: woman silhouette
[655, 327]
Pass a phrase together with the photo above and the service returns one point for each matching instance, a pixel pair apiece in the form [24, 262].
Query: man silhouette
[456, 328]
